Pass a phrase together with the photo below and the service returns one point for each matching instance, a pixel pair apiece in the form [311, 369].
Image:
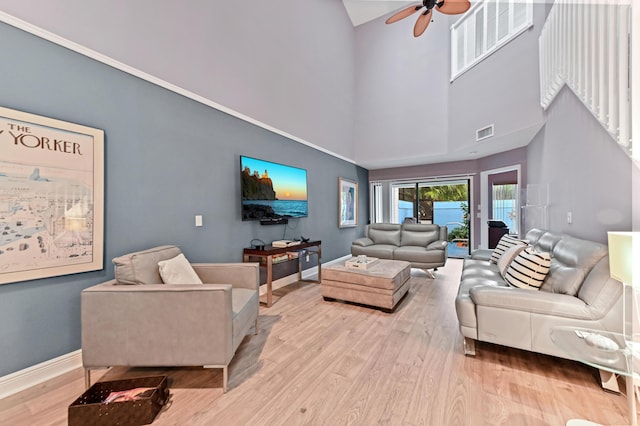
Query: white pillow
[504, 244]
[178, 270]
[528, 269]
[505, 260]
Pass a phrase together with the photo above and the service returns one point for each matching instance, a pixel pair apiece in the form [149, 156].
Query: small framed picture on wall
[347, 203]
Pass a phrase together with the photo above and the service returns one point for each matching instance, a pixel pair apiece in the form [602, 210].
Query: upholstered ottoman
[382, 285]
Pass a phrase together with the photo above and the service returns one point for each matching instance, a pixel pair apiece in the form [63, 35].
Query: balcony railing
[586, 47]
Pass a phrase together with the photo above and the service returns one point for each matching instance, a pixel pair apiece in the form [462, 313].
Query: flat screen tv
[272, 190]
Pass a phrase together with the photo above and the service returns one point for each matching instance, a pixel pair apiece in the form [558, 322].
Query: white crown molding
[39, 373]
[83, 50]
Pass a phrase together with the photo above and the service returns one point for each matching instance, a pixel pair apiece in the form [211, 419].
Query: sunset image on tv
[272, 190]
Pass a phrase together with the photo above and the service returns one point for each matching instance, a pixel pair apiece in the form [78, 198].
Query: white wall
[503, 89]
[401, 91]
[286, 63]
[408, 111]
[587, 172]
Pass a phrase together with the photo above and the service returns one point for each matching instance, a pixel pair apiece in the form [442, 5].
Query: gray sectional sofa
[422, 245]
[578, 292]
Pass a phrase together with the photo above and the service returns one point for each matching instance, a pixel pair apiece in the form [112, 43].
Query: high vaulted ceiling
[361, 11]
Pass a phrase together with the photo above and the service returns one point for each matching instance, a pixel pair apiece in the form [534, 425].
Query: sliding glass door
[445, 203]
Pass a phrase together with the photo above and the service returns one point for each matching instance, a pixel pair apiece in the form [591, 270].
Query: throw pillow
[507, 257]
[141, 267]
[528, 269]
[178, 270]
[503, 245]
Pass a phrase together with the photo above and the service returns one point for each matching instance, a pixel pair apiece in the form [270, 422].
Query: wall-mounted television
[272, 190]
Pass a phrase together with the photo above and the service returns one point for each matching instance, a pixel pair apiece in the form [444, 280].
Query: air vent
[485, 132]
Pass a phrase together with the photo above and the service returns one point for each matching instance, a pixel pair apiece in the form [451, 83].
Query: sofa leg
[225, 378]
[609, 381]
[255, 333]
[87, 378]
[225, 375]
[469, 346]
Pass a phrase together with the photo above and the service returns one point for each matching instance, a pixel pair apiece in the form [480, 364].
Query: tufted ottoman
[382, 284]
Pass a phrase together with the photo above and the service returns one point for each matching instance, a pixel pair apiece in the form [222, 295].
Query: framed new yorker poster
[347, 203]
[51, 197]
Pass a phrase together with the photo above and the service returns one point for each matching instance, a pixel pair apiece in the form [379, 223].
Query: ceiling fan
[448, 7]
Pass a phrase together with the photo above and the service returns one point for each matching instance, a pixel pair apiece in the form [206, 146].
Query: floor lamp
[624, 266]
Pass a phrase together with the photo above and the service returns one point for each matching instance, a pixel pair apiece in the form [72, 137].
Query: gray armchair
[136, 320]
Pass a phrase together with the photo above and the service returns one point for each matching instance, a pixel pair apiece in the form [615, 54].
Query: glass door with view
[444, 203]
[504, 205]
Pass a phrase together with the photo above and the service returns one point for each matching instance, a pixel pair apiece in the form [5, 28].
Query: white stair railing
[586, 47]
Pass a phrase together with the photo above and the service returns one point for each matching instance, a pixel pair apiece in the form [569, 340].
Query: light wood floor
[328, 363]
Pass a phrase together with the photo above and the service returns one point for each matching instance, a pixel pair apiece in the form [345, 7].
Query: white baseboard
[39, 373]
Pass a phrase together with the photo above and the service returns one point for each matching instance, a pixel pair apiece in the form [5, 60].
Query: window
[487, 26]
[376, 203]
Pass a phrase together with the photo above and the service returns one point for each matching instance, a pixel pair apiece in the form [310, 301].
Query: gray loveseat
[136, 320]
[422, 245]
[578, 292]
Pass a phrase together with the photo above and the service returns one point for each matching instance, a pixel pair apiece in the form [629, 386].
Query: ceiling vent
[485, 132]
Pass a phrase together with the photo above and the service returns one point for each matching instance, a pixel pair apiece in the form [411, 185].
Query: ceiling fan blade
[422, 23]
[403, 13]
[453, 7]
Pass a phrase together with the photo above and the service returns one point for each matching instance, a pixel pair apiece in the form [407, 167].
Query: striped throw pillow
[505, 243]
[528, 269]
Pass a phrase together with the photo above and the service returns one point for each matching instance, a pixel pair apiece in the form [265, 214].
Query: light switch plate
[198, 220]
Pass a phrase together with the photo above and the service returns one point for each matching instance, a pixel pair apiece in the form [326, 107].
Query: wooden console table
[265, 257]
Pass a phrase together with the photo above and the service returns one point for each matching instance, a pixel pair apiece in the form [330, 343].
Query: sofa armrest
[239, 275]
[156, 324]
[363, 242]
[437, 245]
[533, 301]
[481, 254]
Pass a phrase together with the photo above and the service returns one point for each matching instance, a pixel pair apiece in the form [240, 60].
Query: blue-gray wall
[167, 158]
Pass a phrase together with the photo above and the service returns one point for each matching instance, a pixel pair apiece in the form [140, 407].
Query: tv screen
[272, 190]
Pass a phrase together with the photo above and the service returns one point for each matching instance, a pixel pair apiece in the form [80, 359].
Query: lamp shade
[624, 251]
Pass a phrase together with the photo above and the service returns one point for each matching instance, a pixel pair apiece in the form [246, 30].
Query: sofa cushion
[419, 235]
[244, 302]
[418, 254]
[573, 259]
[529, 269]
[547, 242]
[142, 267]
[480, 269]
[381, 251]
[503, 245]
[385, 236]
[178, 270]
